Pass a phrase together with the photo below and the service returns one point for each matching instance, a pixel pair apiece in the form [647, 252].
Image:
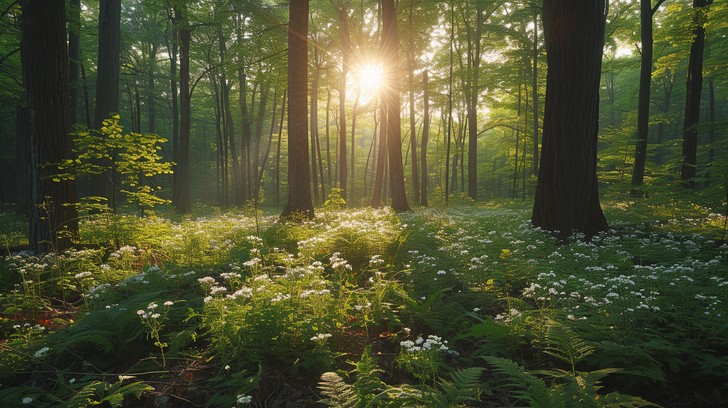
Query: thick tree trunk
[567, 197]
[425, 137]
[299, 176]
[392, 71]
[23, 206]
[694, 85]
[53, 224]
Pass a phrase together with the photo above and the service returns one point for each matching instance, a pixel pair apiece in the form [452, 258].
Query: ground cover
[467, 306]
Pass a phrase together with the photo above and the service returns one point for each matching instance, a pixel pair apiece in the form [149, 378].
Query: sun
[370, 80]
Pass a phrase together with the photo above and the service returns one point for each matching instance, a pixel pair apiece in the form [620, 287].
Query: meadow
[464, 306]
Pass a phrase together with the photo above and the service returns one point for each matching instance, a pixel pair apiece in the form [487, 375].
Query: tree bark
[74, 55]
[567, 197]
[693, 88]
[299, 176]
[183, 204]
[392, 71]
[425, 137]
[107, 87]
[345, 51]
[53, 224]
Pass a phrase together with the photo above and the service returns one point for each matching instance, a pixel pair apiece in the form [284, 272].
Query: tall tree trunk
[183, 204]
[392, 71]
[643, 105]
[328, 139]
[514, 193]
[345, 51]
[413, 129]
[257, 138]
[53, 224]
[151, 113]
[534, 89]
[228, 121]
[711, 132]
[107, 88]
[74, 55]
[425, 136]
[278, 148]
[247, 134]
[314, 124]
[381, 157]
[665, 109]
[299, 176]
[693, 86]
[172, 47]
[449, 107]
[567, 197]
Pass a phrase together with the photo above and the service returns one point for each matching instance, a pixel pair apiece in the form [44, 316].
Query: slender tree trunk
[567, 197]
[328, 139]
[643, 106]
[299, 176]
[413, 131]
[514, 193]
[381, 158]
[278, 148]
[172, 46]
[711, 133]
[449, 108]
[74, 55]
[314, 124]
[151, 116]
[247, 134]
[259, 121]
[694, 86]
[425, 136]
[346, 51]
[53, 224]
[183, 204]
[534, 89]
[660, 136]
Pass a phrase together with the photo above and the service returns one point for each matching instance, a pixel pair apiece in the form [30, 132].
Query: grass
[467, 306]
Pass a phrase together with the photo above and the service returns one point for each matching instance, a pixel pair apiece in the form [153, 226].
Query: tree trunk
[693, 89]
[711, 132]
[643, 105]
[172, 46]
[53, 224]
[413, 131]
[567, 197]
[534, 89]
[425, 136]
[23, 206]
[74, 55]
[392, 71]
[107, 88]
[278, 148]
[183, 204]
[299, 176]
[345, 51]
[314, 123]
[247, 134]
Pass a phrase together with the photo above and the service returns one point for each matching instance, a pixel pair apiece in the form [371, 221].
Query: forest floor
[465, 306]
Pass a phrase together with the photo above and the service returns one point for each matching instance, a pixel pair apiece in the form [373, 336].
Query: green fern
[464, 388]
[523, 385]
[565, 345]
[100, 393]
[99, 340]
[367, 383]
[337, 392]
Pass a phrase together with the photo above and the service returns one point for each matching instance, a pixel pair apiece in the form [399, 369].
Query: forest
[373, 203]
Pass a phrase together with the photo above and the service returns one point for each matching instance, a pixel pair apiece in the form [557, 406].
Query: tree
[392, 121]
[693, 87]
[299, 176]
[54, 219]
[182, 171]
[107, 81]
[567, 198]
[647, 11]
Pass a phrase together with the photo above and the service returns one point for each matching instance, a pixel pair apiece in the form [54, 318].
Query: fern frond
[523, 385]
[565, 345]
[98, 339]
[337, 392]
[464, 386]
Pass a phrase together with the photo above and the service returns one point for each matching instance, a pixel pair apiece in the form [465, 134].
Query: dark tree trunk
[643, 105]
[74, 55]
[228, 120]
[392, 71]
[567, 197]
[534, 89]
[23, 197]
[247, 133]
[693, 89]
[278, 149]
[711, 133]
[425, 136]
[182, 171]
[53, 224]
[299, 176]
[107, 87]
[259, 119]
